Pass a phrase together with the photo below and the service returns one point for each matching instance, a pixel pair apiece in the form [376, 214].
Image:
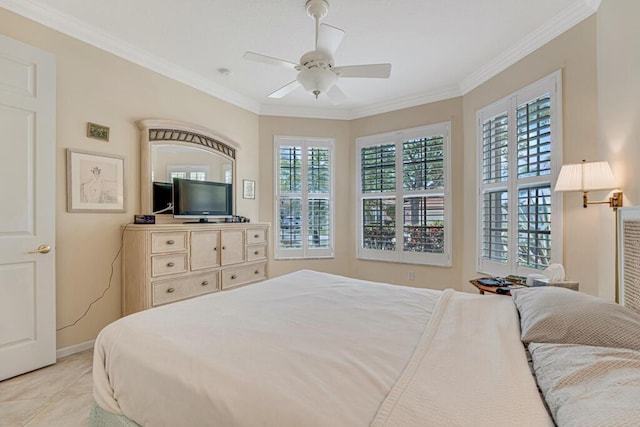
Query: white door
[27, 208]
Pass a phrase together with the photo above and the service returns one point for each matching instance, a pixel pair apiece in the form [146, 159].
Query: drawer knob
[215, 249]
[257, 272]
[205, 283]
[256, 235]
[233, 277]
[171, 290]
[171, 264]
[224, 247]
[170, 242]
[256, 252]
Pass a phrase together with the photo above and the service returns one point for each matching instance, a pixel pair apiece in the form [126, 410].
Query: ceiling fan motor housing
[315, 59]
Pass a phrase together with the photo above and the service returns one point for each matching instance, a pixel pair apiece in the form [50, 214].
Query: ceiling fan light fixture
[317, 80]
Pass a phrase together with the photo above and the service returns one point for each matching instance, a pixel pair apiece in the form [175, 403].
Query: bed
[317, 349]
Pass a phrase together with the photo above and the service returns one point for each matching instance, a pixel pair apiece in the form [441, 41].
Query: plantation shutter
[304, 197]
[404, 201]
[519, 228]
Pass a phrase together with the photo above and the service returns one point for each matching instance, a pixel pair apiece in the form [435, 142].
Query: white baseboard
[68, 351]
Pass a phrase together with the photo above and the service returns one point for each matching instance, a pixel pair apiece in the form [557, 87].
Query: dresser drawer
[161, 265]
[245, 274]
[256, 252]
[168, 241]
[166, 291]
[256, 235]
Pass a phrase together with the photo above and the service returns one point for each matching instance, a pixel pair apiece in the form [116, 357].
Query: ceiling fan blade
[284, 90]
[251, 56]
[336, 95]
[380, 71]
[329, 38]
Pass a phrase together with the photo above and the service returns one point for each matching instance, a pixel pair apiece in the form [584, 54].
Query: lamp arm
[615, 201]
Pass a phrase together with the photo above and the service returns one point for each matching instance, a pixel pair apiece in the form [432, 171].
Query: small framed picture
[249, 189]
[95, 182]
[96, 131]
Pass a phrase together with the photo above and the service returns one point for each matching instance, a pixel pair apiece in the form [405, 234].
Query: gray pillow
[558, 315]
[589, 386]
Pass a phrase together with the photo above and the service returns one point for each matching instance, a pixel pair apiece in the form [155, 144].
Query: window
[194, 172]
[519, 216]
[403, 196]
[304, 197]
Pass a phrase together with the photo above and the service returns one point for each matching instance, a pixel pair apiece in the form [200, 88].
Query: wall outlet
[410, 275]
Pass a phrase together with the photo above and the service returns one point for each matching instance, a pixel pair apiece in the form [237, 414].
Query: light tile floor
[58, 395]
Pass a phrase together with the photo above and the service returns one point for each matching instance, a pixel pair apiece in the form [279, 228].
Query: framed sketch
[95, 182]
[96, 131]
[249, 189]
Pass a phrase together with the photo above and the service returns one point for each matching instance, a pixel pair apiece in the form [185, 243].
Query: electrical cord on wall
[108, 284]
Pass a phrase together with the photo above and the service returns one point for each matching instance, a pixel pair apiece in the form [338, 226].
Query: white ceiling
[438, 48]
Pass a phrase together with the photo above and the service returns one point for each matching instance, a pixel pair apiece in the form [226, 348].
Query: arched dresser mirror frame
[156, 132]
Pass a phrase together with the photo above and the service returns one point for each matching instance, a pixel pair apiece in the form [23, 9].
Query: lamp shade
[585, 177]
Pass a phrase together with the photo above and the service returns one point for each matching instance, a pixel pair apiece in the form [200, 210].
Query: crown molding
[303, 112]
[89, 34]
[357, 113]
[572, 15]
[593, 4]
[452, 91]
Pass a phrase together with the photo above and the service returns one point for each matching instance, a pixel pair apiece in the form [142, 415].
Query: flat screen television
[162, 197]
[202, 200]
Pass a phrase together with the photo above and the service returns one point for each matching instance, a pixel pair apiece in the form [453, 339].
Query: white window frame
[305, 252]
[552, 85]
[399, 255]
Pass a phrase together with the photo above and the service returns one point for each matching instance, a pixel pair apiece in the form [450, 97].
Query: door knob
[42, 249]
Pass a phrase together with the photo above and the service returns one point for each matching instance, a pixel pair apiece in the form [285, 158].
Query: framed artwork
[96, 131]
[95, 182]
[249, 189]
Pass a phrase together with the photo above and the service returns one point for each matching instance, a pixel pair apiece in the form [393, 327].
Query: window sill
[293, 258]
[435, 261]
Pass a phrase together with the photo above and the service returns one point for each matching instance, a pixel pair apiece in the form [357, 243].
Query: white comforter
[313, 349]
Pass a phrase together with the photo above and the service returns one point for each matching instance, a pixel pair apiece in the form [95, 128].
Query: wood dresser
[164, 263]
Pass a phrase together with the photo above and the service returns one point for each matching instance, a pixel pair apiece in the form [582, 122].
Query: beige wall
[574, 52]
[337, 129]
[424, 276]
[99, 87]
[618, 47]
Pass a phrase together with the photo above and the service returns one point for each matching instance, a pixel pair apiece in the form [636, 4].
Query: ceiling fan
[316, 71]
